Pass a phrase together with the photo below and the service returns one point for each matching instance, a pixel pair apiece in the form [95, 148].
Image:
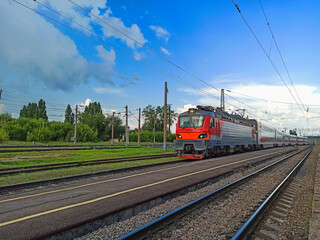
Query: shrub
[86, 134]
[3, 136]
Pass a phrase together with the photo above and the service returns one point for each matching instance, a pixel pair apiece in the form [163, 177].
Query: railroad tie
[270, 227]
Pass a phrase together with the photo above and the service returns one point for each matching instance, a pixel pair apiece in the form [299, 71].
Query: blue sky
[42, 59]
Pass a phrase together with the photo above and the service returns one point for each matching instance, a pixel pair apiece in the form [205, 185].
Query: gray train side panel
[235, 134]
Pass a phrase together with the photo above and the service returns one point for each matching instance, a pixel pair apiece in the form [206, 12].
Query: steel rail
[170, 217]
[52, 146]
[62, 149]
[252, 222]
[36, 168]
[73, 146]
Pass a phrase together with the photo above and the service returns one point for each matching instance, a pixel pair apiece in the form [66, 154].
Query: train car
[286, 139]
[279, 139]
[206, 131]
[266, 135]
[293, 140]
[299, 141]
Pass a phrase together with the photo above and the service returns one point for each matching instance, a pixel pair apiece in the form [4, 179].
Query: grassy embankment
[8, 160]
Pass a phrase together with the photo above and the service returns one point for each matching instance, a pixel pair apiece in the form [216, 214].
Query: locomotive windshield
[191, 121]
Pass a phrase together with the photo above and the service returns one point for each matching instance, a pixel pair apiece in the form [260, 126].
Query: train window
[191, 121]
[184, 121]
[211, 122]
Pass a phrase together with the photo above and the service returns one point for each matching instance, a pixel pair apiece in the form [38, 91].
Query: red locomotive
[206, 131]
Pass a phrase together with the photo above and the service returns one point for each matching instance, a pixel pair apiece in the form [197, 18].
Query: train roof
[216, 112]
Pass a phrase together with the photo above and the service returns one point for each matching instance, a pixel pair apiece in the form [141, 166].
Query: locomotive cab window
[191, 121]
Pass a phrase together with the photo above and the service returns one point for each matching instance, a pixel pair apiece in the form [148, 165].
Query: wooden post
[165, 118]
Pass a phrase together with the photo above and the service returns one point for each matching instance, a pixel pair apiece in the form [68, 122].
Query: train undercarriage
[203, 149]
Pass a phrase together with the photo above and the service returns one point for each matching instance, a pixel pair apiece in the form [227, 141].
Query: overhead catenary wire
[168, 75]
[284, 63]
[269, 100]
[22, 96]
[152, 51]
[263, 49]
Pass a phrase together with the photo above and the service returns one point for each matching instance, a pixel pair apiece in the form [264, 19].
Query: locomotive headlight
[179, 136]
[201, 136]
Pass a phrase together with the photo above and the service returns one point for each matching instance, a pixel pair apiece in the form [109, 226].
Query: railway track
[71, 146]
[37, 168]
[45, 148]
[89, 202]
[279, 201]
[174, 216]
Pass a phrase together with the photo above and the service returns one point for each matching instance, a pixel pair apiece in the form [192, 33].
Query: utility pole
[112, 129]
[139, 123]
[222, 105]
[169, 117]
[127, 127]
[307, 117]
[75, 127]
[2, 123]
[165, 118]
[154, 128]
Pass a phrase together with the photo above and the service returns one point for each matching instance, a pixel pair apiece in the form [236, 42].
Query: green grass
[36, 158]
[30, 177]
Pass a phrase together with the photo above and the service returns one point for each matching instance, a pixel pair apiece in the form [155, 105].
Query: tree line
[92, 125]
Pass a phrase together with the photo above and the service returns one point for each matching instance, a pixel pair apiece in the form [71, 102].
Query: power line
[284, 64]
[152, 51]
[268, 100]
[263, 49]
[168, 75]
[164, 73]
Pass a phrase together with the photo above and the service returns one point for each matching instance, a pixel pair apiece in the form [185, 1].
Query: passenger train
[206, 131]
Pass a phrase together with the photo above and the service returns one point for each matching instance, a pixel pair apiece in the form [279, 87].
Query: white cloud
[133, 31]
[161, 32]
[34, 50]
[165, 51]
[97, 7]
[278, 115]
[86, 103]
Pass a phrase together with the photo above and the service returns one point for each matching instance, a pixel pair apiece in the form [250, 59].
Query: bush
[40, 135]
[61, 131]
[86, 134]
[3, 136]
[17, 133]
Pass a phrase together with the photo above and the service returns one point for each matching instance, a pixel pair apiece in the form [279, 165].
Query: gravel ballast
[217, 220]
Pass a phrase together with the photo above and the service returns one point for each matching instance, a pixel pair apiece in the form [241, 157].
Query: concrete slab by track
[314, 228]
[41, 211]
